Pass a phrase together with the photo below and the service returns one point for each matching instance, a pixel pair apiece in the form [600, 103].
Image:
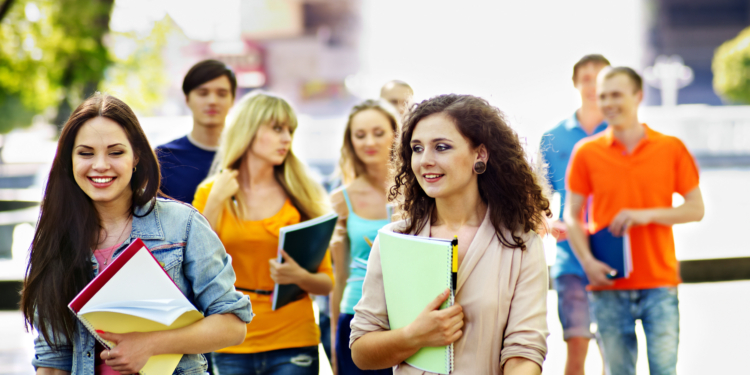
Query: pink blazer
[503, 292]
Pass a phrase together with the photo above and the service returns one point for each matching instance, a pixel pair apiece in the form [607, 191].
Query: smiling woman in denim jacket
[101, 195]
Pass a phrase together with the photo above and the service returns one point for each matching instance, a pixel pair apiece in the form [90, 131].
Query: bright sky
[517, 54]
[201, 20]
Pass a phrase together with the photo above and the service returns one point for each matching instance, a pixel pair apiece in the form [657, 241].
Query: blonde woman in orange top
[260, 187]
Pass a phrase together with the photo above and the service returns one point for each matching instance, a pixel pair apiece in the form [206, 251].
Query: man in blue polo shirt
[557, 146]
[209, 88]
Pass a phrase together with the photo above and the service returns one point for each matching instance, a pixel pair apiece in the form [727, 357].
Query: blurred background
[326, 55]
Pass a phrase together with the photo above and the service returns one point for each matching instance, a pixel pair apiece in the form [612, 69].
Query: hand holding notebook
[434, 327]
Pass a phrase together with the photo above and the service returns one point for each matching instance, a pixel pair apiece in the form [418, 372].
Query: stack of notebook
[135, 294]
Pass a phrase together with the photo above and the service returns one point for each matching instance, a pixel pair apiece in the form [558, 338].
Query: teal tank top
[357, 229]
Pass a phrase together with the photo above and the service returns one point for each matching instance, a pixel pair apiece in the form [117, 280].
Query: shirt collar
[609, 136]
[573, 123]
[147, 227]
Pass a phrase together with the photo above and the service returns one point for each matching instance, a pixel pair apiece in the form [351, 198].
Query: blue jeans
[344, 354]
[616, 312]
[293, 361]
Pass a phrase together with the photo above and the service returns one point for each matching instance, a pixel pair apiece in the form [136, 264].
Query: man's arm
[596, 271]
[691, 210]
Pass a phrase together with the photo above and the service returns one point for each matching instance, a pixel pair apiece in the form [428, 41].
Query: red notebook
[135, 294]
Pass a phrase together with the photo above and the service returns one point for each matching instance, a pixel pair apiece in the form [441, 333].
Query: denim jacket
[181, 239]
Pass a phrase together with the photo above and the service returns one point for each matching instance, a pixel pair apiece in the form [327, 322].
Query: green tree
[137, 76]
[731, 68]
[52, 55]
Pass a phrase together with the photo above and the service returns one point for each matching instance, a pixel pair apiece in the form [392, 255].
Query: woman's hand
[225, 186]
[288, 272]
[130, 354]
[434, 327]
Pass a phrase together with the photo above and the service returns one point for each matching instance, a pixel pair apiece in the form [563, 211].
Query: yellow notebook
[135, 294]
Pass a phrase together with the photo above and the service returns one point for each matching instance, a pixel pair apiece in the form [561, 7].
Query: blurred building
[692, 29]
[303, 50]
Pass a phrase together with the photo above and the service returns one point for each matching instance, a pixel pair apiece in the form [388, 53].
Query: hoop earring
[480, 167]
[133, 169]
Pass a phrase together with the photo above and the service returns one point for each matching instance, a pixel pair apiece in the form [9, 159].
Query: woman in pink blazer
[461, 170]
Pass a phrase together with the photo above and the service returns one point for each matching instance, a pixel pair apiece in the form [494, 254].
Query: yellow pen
[368, 241]
[454, 269]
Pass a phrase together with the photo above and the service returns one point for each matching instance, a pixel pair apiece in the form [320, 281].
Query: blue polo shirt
[557, 146]
[184, 164]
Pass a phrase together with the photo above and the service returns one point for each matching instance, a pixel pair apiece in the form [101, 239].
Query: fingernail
[99, 331]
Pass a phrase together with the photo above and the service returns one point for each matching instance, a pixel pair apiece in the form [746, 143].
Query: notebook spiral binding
[452, 302]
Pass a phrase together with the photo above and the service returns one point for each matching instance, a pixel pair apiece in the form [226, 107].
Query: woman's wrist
[408, 337]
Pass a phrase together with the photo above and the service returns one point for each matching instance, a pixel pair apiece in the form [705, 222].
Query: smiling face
[618, 100]
[442, 158]
[372, 137]
[272, 142]
[211, 101]
[103, 161]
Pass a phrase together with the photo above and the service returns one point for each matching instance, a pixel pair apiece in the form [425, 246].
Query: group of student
[615, 173]
[451, 165]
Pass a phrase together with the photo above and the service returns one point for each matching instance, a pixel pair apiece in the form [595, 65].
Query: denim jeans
[293, 361]
[344, 353]
[616, 312]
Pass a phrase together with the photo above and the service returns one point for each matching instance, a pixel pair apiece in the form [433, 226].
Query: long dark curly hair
[512, 189]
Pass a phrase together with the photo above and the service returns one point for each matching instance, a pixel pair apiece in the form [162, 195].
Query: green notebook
[415, 271]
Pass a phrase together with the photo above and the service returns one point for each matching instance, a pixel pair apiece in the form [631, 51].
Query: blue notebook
[614, 251]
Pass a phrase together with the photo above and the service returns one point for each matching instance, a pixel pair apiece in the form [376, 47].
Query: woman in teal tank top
[361, 205]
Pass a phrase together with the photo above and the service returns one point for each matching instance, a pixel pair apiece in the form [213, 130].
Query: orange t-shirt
[251, 244]
[659, 166]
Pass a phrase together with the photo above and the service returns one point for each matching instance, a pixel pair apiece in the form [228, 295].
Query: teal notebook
[415, 271]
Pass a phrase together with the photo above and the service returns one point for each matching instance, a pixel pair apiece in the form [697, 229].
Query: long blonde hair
[252, 111]
[350, 165]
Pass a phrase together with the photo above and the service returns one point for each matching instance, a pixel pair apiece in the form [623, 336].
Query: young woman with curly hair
[462, 171]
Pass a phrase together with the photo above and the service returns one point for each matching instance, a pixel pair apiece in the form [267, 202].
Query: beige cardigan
[503, 292]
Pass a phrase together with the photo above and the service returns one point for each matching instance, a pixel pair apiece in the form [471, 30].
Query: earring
[133, 169]
[480, 167]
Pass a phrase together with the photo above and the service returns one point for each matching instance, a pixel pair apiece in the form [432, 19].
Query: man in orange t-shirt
[631, 172]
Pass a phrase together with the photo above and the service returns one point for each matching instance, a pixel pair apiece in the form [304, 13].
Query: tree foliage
[52, 54]
[731, 68]
[137, 75]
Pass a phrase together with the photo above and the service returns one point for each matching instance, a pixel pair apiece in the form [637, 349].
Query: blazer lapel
[477, 248]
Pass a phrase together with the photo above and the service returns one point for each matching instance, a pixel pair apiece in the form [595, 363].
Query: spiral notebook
[415, 271]
[135, 294]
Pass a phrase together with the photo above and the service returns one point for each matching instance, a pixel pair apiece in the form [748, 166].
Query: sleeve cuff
[241, 307]
[532, 353]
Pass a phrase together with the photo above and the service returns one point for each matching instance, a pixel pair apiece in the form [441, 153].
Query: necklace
[106, 261]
